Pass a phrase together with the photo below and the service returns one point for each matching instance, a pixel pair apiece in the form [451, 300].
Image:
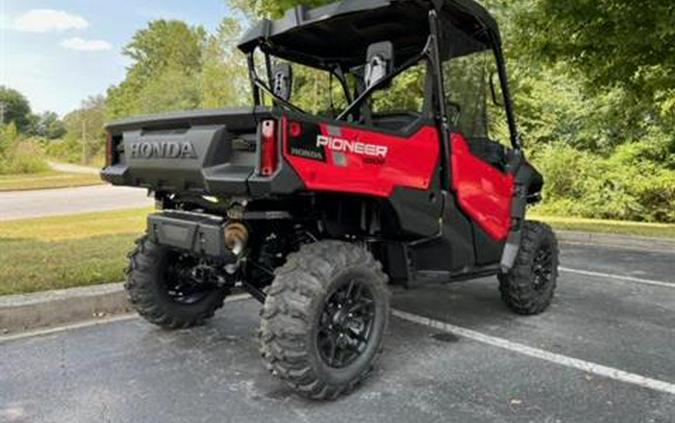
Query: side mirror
[282, 80]
[380, 63]
[493, 91]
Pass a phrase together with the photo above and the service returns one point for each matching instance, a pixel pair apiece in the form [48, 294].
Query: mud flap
[511, 249]
[525, 175]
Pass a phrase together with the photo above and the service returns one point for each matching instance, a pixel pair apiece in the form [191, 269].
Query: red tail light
[295, 129]
[109, 150]
[269, 148]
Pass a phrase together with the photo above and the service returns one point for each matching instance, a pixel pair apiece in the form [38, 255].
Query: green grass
[656, 230]
[44, 180]
[66, 251]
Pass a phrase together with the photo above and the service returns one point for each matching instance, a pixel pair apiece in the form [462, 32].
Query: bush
[65, 150]
[634, 183]
[19, 156]
[28, 157]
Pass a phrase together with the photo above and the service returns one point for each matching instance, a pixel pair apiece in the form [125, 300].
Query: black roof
[340, 33]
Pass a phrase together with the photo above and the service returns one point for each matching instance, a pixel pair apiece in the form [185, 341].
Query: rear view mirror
[282, 80]
[380, 63]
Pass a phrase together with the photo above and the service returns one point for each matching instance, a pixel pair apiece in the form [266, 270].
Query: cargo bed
[209, 152]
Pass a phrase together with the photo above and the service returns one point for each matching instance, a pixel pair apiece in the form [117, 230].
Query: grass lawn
[658, 230]
[67, 251]
[49, 179]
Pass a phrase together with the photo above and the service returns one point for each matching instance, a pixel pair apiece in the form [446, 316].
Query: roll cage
[335, 38]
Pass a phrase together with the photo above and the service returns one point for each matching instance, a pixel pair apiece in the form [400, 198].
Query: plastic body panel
[409, 162]
[483, 192]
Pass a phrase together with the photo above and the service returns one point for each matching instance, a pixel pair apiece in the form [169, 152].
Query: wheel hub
[542, 266]
[188, 280]
[346, 324]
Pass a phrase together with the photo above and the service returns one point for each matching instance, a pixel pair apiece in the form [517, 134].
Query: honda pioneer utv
[377, 164]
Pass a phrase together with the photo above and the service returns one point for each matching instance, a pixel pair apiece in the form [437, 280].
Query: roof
[341, 32]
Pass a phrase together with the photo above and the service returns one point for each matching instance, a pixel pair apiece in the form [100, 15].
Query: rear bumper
[194, 233]
[222, 181]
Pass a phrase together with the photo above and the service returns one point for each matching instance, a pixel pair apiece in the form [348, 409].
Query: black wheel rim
[184, 280]
[346, 324]
[542, 267]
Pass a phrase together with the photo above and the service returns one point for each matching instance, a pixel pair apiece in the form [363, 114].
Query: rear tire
[149, 287]
[529, 287]
[324, 319]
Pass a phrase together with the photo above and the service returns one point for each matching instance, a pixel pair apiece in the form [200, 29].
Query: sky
[59, 52]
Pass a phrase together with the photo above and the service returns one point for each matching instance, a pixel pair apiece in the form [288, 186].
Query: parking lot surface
[484, 371]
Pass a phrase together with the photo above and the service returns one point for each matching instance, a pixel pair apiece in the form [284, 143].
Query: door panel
[483, 192]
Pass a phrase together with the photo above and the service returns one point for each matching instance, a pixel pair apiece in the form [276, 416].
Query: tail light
[109, 149]
[295, 129]
[269, 148]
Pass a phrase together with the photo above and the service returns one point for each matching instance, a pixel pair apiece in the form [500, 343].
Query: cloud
[77, 43]
[45, 20]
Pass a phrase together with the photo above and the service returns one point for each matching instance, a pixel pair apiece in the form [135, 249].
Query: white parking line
[619, 277]
[586, 366]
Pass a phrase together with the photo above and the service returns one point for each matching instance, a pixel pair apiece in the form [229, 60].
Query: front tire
[159, 288]
[529, 287]
[324, 319]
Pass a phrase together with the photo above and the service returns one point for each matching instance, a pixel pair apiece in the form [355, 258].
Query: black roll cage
[432, 53]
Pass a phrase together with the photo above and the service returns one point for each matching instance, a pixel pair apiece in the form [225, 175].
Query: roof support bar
[437, 66]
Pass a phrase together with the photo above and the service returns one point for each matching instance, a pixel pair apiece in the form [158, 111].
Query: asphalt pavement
[604, 352]
[64, 201]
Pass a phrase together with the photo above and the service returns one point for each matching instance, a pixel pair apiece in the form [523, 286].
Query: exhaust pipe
[236, 237]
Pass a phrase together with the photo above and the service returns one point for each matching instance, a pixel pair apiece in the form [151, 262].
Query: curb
[20, 313]
[631, 242]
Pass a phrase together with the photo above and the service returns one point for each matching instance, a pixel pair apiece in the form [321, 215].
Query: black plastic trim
[285, 181]
[198, 234]
[236, 119]
[300, 25]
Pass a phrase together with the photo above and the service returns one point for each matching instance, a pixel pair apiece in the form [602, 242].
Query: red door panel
[360, 161]
[483, 192]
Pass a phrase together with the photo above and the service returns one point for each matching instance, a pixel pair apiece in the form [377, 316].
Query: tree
[165, 44]
[85, 137]
[48, 125]
[224, 79]
[169, 91]
[614, 43]
[15, 108]
[164, 53]
[272, 8]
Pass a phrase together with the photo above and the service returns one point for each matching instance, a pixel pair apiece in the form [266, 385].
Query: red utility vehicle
[393, 175]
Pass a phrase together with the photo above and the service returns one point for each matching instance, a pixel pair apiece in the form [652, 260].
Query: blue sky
[58, 52]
